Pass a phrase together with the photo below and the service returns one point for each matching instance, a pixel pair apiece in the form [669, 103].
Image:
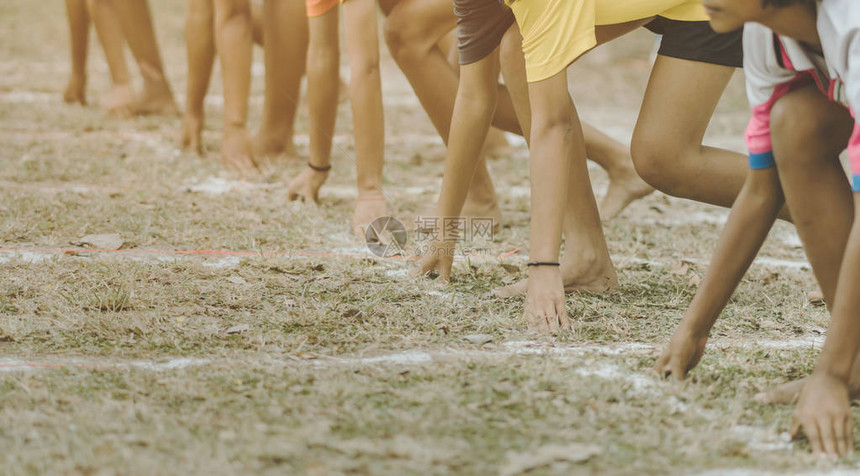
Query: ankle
[235, 128]
[370, 194]
[585, 259]
[370, 188]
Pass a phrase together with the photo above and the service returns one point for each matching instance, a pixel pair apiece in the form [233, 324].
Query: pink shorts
[318, 8]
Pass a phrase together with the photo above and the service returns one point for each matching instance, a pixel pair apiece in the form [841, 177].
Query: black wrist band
[543, 263]
[319, 169]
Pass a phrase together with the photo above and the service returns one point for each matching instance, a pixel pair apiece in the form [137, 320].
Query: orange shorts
[318, 8]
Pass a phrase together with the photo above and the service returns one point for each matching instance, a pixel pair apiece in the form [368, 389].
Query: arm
[557, 152]
[753, 212]
[473, 111]
[824, 408]
[750, 220]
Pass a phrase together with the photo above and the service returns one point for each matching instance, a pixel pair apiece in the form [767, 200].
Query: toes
[762, 397]
[516, 289]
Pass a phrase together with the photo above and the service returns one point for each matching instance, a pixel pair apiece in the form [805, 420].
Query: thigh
[423, 22]
[324, 35]
[362, 34]
[680, 100]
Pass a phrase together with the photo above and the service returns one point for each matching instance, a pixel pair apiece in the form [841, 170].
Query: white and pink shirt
[775, 65]
[839, 29]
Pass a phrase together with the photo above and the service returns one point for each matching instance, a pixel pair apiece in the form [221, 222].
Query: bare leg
[584, 267]
[561, 199]
[667, 142]
[625, 185]
[360, 20]
[136, 21]
[234, 40]
[323, 85]
[808, 136]
[285, 29]
[104, 16]
[257, 19]
[200, 42]
[79, 34]
[413, 33]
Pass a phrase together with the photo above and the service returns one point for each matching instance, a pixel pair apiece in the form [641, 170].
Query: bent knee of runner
[399, 35]
[657, 163]
[806, 132]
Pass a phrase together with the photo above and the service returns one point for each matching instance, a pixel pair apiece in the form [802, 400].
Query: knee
[399, 32]
[556, 121]
[233, 10]
[806, 132]
[654, 162]
[323, 60]
[364, 68]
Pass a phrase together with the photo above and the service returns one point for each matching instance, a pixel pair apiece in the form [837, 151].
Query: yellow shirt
[556, 32]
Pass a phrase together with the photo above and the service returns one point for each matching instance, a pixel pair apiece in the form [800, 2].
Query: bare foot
[76, 91]
[306, 186]
[784, 394]
[192, 132]
[593, 277]
[237, 150]
[482, 209]
[787, 393]
[121, 101]
[367, 208]
[269, 146]
[497, 145]
[624, 187]
[156, 100]
[546, 308]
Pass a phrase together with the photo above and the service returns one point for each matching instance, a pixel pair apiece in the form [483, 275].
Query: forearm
[79, 28]
[843, 337]
[549, 169]
[749, 222]
[473, 111]
[234, 42]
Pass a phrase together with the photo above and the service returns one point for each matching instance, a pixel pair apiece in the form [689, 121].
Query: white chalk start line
[34, 257]
[567, 353]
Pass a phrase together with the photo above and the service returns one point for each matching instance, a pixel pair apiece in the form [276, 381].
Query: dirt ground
[301, 354]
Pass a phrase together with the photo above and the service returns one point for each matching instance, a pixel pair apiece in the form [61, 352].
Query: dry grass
[278, 385]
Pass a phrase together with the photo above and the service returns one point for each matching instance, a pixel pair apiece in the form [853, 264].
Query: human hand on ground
[823, 414]
[305, 187]
[437, 256]
[546, 306]
[683, 353]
